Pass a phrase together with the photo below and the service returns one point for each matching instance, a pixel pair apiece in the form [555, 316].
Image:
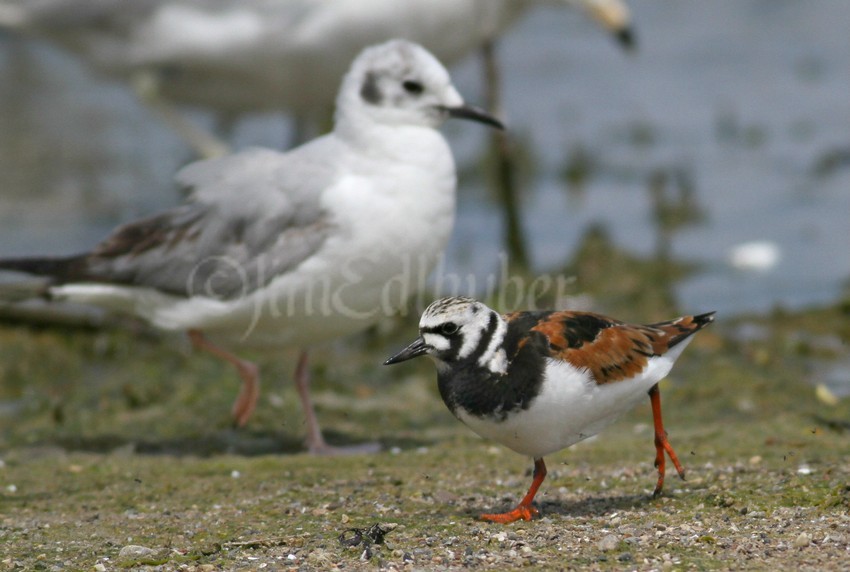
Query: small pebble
[135, 551]
[804, 470]
[608, 542]
[802, 540]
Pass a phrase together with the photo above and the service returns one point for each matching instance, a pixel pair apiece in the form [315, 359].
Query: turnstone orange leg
[524, 510]
[246, 402]
[661, 442]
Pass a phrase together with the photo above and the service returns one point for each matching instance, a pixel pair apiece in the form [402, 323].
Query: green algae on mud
[110, 441]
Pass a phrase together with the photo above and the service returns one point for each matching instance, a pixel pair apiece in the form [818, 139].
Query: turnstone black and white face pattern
[538, 382]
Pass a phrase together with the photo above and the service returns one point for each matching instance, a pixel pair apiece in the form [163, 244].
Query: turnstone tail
[538, 382]
[289, 249]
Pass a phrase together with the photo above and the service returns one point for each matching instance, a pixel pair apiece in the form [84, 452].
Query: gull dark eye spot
[448, 329]
[413, 87]
[370, 91]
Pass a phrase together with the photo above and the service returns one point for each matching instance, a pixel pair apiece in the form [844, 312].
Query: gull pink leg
[246, 402]
[315, 440]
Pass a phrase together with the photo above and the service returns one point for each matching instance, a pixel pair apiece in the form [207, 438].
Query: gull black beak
[416, 349]
[626, 38]
[475, 114]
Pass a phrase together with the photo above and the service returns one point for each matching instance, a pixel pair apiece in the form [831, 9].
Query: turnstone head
[538, 382]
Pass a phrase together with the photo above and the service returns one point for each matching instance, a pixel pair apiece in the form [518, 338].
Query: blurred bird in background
[236, 57]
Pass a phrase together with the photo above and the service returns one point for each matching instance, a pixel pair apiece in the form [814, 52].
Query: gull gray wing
[249, 218]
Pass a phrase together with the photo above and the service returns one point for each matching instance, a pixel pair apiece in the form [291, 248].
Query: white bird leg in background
[246, 401]
[202, 141]
[505, 162]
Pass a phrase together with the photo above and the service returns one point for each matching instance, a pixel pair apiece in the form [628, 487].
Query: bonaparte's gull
[276, 249]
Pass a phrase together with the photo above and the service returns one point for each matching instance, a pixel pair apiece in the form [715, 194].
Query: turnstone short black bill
[538, 382]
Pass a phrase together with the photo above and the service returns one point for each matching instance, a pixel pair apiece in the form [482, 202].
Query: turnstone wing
[290, 249]
[538, 382]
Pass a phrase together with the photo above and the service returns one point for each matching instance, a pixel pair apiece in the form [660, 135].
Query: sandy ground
[117, 453]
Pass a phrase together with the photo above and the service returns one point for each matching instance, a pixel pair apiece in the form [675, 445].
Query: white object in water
[756, 255]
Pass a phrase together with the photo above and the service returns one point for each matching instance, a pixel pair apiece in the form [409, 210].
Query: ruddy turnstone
[290, 249]
[538, 382]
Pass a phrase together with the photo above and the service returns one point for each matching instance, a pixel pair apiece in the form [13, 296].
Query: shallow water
[744, 102]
